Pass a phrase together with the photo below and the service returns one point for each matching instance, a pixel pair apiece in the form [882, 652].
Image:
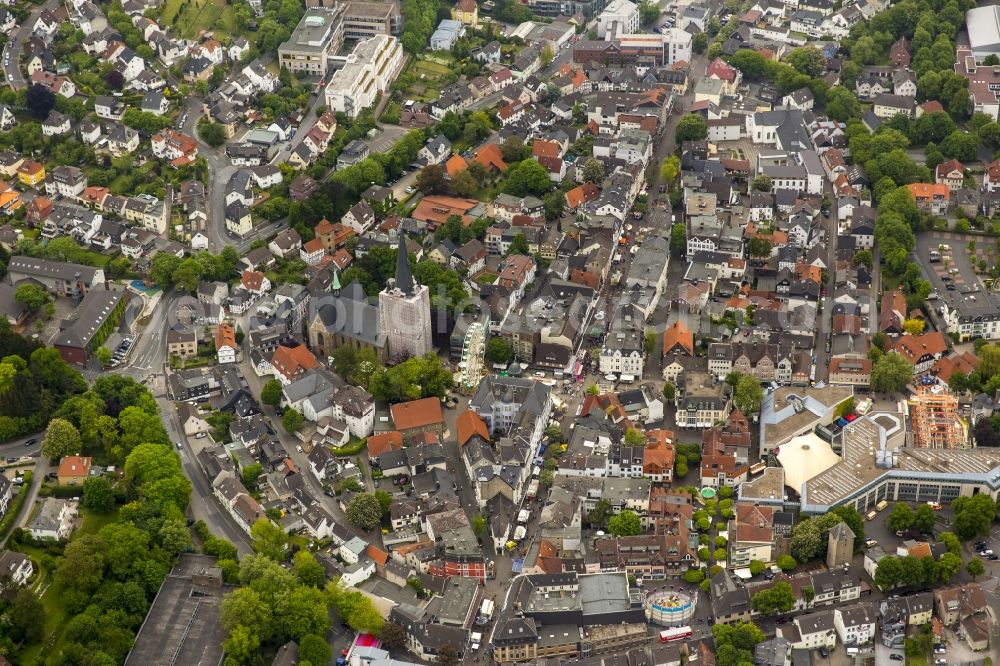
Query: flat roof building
[319, 34]
[983, 24]
[368, 72]
[182, 626]
[364, 20]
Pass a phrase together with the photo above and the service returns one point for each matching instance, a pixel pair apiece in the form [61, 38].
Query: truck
[486, 610]
[524, 515]
[520, 532]
[477, 639]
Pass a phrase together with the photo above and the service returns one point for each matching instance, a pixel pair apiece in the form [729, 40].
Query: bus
[675, 634]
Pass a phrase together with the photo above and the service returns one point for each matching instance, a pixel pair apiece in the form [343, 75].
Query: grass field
[55, 612]
[429, 79]
[190, 17]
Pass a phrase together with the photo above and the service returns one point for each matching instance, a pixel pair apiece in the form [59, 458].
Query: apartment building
[319, 34]
[369, 72]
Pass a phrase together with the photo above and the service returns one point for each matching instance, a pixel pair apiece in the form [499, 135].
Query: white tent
[804, 457]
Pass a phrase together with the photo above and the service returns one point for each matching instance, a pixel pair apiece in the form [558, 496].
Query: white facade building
[369, 72]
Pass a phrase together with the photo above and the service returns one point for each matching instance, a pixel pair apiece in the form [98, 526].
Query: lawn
[486, 278]
[190, 17]
[55, 612]
[427, 79]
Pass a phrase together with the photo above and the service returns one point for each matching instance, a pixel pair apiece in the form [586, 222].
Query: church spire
[404, 278]
[335, 286]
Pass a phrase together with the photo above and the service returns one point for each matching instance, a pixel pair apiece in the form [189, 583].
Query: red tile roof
[417, 413]
[469, 424]
[383, 443]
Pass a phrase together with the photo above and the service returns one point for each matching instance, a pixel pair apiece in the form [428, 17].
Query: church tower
[405, 309]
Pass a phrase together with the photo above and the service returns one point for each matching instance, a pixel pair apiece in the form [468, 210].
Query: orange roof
[290, 361]
[378, 555]
[581, 194]
[658, 454]
[929, 190]
[253, 280]
[490, 156]
[383, 443]
[455, 165]
[315, 245]
[469, 424]
[10, 200]
[225, 336]
[95, 194]
[439, 208]
[965, 362]
[913, 347]
[678, 334]
[30, 168]
[417, 413]
[74, 467]
[541, 148]
[324, 227]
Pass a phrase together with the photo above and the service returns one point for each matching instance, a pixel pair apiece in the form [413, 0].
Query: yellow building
[31, 173]
[466, 11]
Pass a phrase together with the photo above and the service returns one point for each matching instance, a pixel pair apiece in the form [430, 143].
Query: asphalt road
[15, 47]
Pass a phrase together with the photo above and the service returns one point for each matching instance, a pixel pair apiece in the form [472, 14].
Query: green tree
[951, 542]
[891, 373]
[98, 495]
[499, 351]
[599, 515]
[842, 104]
[103, 354]
[678, 239]
[626, 523]
[757, 567]
[694, 576]
[901, 517]
[546, 55]
[292, 420]
[786, 563]
[271, 393]
[519, 245]
[975, 567]
[699, 42]
[314, 649]
[691, 127]
[593, 171]
[748, 394]
[364, 511]
[761, 183]
[31, 296]
[923, 519]
[670, 168]
[634, 437]
[211, 133]
[759, 247]
[268, 539]
[308, 570]
[27, 616]
[808, 594]
[888, 573]
[251, 473]
[61, 439]
[774, 601]
[527, 177]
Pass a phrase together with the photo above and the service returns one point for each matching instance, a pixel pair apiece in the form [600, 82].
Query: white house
[855, 624]
[54, 519]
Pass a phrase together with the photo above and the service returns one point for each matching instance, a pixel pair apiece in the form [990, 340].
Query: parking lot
[385, 139]
[953, 264]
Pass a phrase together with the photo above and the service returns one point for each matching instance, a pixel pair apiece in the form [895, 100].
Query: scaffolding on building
[935, 421]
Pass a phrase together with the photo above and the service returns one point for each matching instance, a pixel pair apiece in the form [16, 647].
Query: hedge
[7, 524]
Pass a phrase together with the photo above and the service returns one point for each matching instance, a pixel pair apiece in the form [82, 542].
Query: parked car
[896, 657]
[823, 652]
[30, 442]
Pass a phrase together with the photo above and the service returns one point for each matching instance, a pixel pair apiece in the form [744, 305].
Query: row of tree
[414, 378]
